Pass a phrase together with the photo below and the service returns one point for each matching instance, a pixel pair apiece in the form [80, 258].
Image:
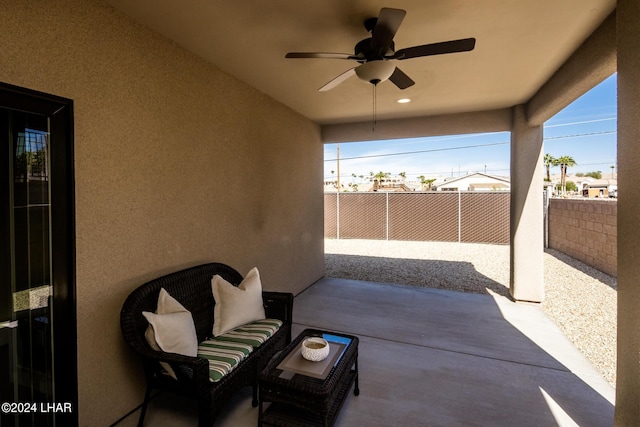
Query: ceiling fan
[376, 54]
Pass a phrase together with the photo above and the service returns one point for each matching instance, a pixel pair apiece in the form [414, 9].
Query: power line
[581, 123]
[596, 164]
[418, 152]
[604, 132]
[486, 145]
[404, 153]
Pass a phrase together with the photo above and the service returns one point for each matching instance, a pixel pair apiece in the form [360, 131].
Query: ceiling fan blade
[319, 55]
[337, 80]
[453, 46]
[400, 79]
[389, 21]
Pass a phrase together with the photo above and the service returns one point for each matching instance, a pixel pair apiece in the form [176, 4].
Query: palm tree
[564, 162]
[378, 179]
[426, 183]
[549, 161]
[380, 176]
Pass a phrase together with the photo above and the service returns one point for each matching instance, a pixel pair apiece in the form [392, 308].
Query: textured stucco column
[628, 367]
[527, 243]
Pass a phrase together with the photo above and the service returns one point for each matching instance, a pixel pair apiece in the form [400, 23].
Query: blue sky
[584, 130]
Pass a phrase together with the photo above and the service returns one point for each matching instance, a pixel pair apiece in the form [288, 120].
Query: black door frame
[63, 257]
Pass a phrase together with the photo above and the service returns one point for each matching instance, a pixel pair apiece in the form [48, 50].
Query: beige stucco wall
[628, 366]
[176, 163]
[525, 215]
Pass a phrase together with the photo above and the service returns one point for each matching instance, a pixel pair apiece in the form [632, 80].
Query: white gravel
[579, 299]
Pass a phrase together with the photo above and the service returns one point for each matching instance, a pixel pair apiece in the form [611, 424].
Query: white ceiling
[519, 45]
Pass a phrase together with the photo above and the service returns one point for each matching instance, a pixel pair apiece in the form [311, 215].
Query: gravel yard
[581, 300]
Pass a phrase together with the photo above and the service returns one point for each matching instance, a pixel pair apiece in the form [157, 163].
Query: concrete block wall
[585, 230]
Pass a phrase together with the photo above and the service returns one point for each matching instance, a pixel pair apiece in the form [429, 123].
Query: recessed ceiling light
[404, 100]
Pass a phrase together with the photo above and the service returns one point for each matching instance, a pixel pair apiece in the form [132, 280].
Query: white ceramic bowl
[315, 349]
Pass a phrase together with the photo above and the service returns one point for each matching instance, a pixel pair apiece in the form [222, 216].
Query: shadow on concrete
[439, 274]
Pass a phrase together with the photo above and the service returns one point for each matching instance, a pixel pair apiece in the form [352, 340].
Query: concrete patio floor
[431, 357]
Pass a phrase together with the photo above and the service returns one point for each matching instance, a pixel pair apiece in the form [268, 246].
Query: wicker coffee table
[303, 393]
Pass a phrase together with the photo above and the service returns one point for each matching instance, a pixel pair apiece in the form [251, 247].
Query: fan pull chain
[374, 108]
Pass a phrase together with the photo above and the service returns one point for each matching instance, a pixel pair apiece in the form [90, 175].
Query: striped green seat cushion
[226, 351]
[253, 334]
[223, 356]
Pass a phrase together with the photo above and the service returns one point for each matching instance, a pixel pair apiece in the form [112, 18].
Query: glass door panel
[26, 311]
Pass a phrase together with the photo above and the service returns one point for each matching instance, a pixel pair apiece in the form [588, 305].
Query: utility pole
[338, 167]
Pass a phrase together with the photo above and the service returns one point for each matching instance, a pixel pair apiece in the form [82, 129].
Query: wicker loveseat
[192, 288]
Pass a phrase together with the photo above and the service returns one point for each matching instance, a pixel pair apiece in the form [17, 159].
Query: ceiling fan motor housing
[365, 52]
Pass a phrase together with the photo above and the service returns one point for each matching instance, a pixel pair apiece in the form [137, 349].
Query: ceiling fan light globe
[375, 71]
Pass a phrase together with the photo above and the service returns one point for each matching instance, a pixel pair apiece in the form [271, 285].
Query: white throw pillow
[174, 332]
[168, 304]
[236, 306]
[171, 329]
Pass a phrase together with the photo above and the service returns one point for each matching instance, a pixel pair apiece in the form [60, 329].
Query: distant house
[591, 187]
[588, 186]
[475, 182]
[384, 185]
[389, 184]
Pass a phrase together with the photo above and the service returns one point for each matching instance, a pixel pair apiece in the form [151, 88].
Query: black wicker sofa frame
[192, 288]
